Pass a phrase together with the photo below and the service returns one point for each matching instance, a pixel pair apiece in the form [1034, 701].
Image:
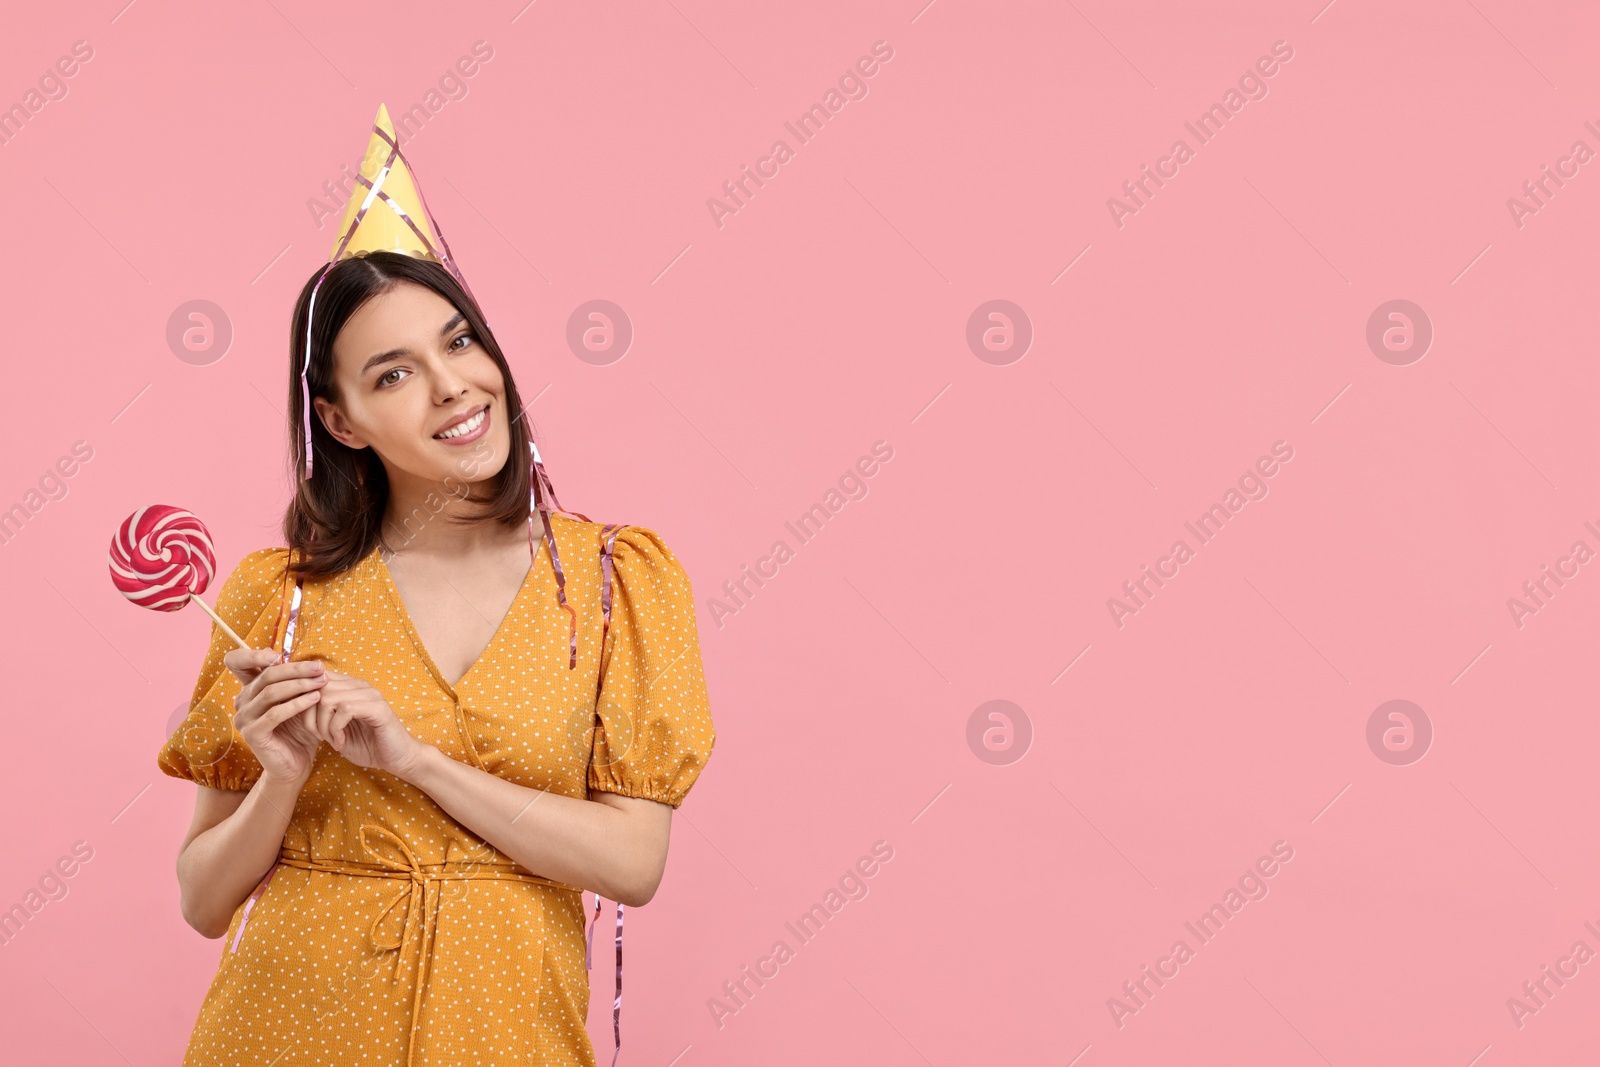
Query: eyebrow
[395, 353]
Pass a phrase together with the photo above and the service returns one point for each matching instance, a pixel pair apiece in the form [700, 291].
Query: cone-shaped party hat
[405, 227]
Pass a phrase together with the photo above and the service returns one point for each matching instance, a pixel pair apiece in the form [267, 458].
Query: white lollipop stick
[218, 620]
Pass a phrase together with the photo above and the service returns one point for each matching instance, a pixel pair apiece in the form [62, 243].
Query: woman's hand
[267, 710]
[354, 718]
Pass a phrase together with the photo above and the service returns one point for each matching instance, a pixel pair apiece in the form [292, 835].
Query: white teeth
[465, 427]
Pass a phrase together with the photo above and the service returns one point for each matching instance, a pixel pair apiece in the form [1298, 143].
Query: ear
[334, 422]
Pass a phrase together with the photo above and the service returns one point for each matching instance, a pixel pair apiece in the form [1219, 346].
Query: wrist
[419, 768]
[284, 783]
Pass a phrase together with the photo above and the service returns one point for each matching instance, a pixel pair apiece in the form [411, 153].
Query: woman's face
[408, 368]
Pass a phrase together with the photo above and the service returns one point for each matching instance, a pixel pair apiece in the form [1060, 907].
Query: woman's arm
[234, 838]
[612, 845]
[236, 835]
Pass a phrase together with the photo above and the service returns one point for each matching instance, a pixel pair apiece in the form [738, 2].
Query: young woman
[462, 709]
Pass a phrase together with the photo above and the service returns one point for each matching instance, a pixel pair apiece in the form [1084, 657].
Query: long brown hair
[335, 518]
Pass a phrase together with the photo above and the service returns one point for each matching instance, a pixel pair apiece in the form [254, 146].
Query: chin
[482, 462]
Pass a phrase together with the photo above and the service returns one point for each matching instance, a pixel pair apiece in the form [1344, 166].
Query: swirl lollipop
[161, 558]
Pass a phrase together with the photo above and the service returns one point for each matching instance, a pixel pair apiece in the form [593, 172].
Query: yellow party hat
[390, 217]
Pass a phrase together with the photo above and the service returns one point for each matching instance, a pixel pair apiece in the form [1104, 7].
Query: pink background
[770, 353]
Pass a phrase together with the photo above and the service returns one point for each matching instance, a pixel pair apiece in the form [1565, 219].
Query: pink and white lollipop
[162, 558]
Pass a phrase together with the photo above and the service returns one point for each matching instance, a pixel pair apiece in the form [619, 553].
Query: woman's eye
[386, 379]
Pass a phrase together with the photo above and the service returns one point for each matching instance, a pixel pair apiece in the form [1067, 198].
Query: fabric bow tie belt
[421, 898]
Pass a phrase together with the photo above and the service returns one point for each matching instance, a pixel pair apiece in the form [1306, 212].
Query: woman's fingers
[254, 705]
[340, 719]
[238, 659]
[278, 672]
[246, 663]
[274, 717]
[286, 672]
[324, 710]
[308, 701]
[308, 719]
[294, 728]
[278, 692]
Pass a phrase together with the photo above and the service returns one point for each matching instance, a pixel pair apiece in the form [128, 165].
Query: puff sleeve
[655, 732]
[206, 748]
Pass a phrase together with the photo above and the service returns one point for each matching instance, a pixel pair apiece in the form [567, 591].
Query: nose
[447, 381]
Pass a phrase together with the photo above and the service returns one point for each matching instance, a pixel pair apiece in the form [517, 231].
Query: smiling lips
[468, 429]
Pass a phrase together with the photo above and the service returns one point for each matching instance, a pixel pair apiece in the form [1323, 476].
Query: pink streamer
[251, 903]
[616, 1004]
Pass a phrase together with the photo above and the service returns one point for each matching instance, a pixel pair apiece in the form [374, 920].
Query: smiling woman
[440, 736]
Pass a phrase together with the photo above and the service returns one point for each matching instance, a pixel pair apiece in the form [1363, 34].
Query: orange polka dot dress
[388, 933]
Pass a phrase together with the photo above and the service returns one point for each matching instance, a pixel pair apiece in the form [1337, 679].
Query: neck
[425, 519]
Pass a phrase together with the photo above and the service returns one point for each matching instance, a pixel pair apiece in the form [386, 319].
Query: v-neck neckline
[393, 592]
